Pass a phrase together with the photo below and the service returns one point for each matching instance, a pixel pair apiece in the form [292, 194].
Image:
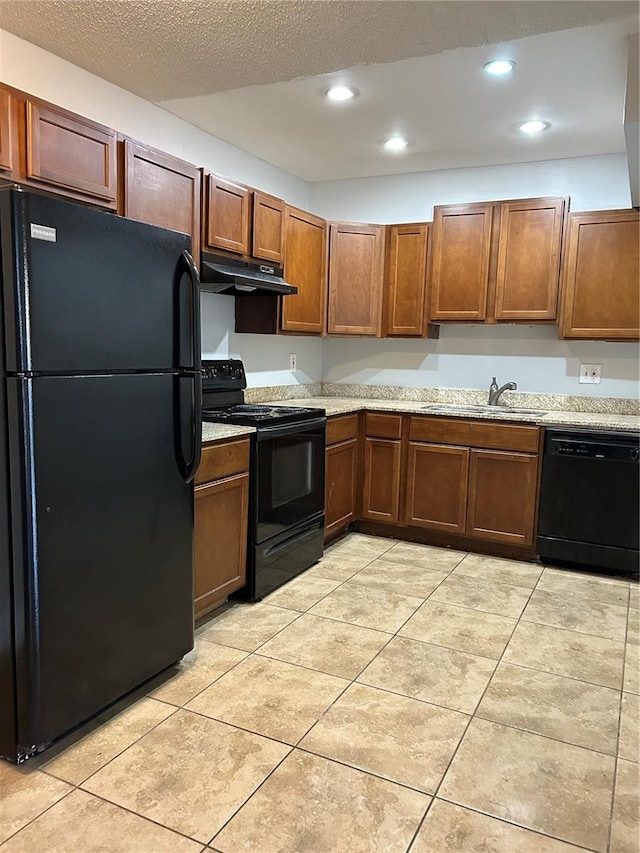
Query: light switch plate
[590, 373]
[293, 362]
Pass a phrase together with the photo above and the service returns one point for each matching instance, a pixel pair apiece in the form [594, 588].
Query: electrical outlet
[590, 373]
[293, 362]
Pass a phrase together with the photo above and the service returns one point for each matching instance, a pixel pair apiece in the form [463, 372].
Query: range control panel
[223, 374]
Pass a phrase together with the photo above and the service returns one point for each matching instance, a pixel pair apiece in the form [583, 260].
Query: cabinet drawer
[342, 428]
[383, 426]
[475, 433]
[223, 460]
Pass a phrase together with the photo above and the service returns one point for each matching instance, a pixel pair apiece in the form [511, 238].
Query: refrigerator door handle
[189, 467]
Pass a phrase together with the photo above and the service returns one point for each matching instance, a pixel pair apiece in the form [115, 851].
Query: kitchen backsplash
[549, 402]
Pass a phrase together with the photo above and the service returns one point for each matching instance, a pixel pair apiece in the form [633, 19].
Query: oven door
[289, 481]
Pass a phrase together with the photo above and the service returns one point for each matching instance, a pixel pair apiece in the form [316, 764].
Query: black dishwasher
[589, 499]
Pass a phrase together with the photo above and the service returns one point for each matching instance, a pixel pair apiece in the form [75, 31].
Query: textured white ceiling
[164, 49]
[247, 71]
[453, 114]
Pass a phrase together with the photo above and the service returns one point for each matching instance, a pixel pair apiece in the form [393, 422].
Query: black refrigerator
[100, 408]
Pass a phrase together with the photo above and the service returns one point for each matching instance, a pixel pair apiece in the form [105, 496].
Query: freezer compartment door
[88, 291]
[103, 544]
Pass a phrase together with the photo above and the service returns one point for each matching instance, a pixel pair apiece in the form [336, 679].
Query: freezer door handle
[189, 467]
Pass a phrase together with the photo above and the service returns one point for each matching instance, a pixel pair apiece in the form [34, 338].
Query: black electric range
[286, 493]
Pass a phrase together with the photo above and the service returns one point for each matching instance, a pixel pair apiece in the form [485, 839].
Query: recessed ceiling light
[396, 143]
[534, 126]
[340, 93]
[498, 67]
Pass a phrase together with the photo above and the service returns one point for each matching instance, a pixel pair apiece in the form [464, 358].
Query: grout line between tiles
[617, 753]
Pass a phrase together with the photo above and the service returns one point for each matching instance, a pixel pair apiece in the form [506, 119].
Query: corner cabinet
[161, 190]
[341, 473]
[406, 283]
[221, 515]
[356, 277]
[382, 468]
[497, 261]
[305, 267]
[601, 274]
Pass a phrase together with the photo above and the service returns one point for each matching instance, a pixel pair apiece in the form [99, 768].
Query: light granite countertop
[220, 432]
[212, 432]
[345, 405]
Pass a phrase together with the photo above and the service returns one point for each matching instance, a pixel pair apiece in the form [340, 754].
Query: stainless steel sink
[486, 409]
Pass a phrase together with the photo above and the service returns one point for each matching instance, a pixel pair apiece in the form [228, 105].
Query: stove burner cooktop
[253, 415]
[223, 384]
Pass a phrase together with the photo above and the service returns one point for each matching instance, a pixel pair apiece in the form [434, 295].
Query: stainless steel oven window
[292, 471]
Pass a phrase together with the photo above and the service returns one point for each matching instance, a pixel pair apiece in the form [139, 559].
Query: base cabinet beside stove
[221, 517]
[342, 472]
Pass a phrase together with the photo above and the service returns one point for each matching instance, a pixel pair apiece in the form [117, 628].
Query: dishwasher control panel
[623, 451]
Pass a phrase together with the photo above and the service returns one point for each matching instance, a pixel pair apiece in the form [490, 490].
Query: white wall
[27, 67]
[468, 356]
[594, 183]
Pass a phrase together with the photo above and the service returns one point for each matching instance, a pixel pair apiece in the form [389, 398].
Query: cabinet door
[406, 280]
[437, 477]
[529, 259]
[502, 496]
[227, 224]
[305, 266]
[601, 272]
[6, 159]
[268, 227]
[356, 274]
[340, 484]
[71, 152]
[460, 269]
[220, 540]
[161, 190]
[381, 488]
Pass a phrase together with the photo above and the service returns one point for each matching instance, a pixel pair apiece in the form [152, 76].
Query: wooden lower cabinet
[487, 492]
[381, 486]
[221, 517]
[341, 471]
[220, 540]
[437, 477]
[502, 496]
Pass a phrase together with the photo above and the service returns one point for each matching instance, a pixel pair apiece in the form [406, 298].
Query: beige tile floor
[395, 697]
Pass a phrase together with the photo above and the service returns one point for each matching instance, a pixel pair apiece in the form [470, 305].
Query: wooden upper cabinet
[268, 227]
[226, 216]
[406, 288]
[305, 267]
[601, 273]
[528, 267]
[71, 152]
[6, 132]
[460, 268]
[356, 276]
[161, 190]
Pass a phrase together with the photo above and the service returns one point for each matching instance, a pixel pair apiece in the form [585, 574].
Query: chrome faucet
[495, 393]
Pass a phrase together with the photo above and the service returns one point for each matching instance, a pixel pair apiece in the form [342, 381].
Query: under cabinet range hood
[220, 274]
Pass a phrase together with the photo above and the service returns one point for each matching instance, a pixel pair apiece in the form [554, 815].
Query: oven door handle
[296, 428]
